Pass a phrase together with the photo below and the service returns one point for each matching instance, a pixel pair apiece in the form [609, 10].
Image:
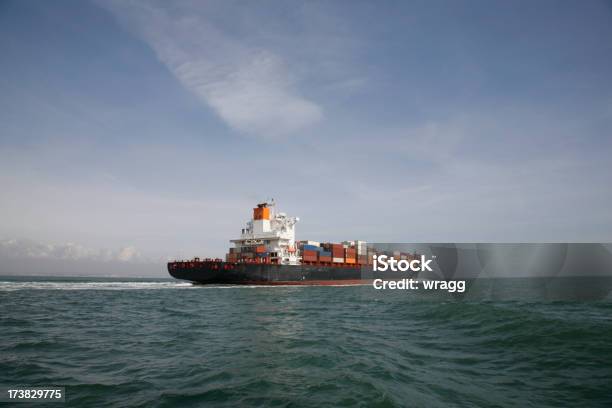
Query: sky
[134, 132]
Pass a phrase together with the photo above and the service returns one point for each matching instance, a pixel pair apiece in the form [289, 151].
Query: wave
[9, 286]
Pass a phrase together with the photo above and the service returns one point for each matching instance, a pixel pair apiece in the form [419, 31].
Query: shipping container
[325, 258]
[311, 248]
[325, 253]
[309, 258]
[260, 249]
[338, 260]
[350, 260]
[313, 243]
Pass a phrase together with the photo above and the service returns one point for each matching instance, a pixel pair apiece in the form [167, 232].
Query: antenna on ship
[271, 203]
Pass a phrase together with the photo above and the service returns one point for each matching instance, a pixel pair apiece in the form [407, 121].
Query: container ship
[266, 253]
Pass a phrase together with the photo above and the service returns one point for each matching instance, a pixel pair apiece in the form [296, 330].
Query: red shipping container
[310, 256]
[325, 258]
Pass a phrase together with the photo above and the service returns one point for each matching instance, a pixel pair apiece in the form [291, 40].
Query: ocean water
[162, 343]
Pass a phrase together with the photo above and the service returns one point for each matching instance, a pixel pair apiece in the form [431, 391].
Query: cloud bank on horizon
[153, 127]
[15, 248]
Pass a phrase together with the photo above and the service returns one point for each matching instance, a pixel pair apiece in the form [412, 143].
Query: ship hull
[267, 274]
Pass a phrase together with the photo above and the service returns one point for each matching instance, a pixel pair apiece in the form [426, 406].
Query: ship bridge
[268, 235]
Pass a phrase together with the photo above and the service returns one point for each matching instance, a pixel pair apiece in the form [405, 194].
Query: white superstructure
[272, 230]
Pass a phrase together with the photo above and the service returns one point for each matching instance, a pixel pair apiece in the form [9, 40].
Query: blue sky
[145, 130]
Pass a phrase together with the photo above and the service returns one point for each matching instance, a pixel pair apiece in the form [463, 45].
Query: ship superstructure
[268, 237]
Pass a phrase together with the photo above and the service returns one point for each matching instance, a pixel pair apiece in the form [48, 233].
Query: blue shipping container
[311, 248]
[325, 253]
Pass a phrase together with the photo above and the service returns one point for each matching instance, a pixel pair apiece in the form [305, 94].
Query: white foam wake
[58, 285]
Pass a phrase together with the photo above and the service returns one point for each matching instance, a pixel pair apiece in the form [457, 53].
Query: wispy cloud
[250, 88]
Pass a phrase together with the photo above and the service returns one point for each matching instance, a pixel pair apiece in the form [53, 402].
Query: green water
[164, 344]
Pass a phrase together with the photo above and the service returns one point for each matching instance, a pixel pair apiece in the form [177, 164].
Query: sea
[165, 343]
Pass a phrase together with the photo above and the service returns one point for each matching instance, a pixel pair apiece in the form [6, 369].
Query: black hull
[243, 273]
[267, 274]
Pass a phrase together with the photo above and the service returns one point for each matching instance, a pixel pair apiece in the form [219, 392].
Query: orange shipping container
[260, 249]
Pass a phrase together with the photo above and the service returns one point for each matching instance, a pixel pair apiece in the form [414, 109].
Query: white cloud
[128, 254]
[25, 248]
[250, 88]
